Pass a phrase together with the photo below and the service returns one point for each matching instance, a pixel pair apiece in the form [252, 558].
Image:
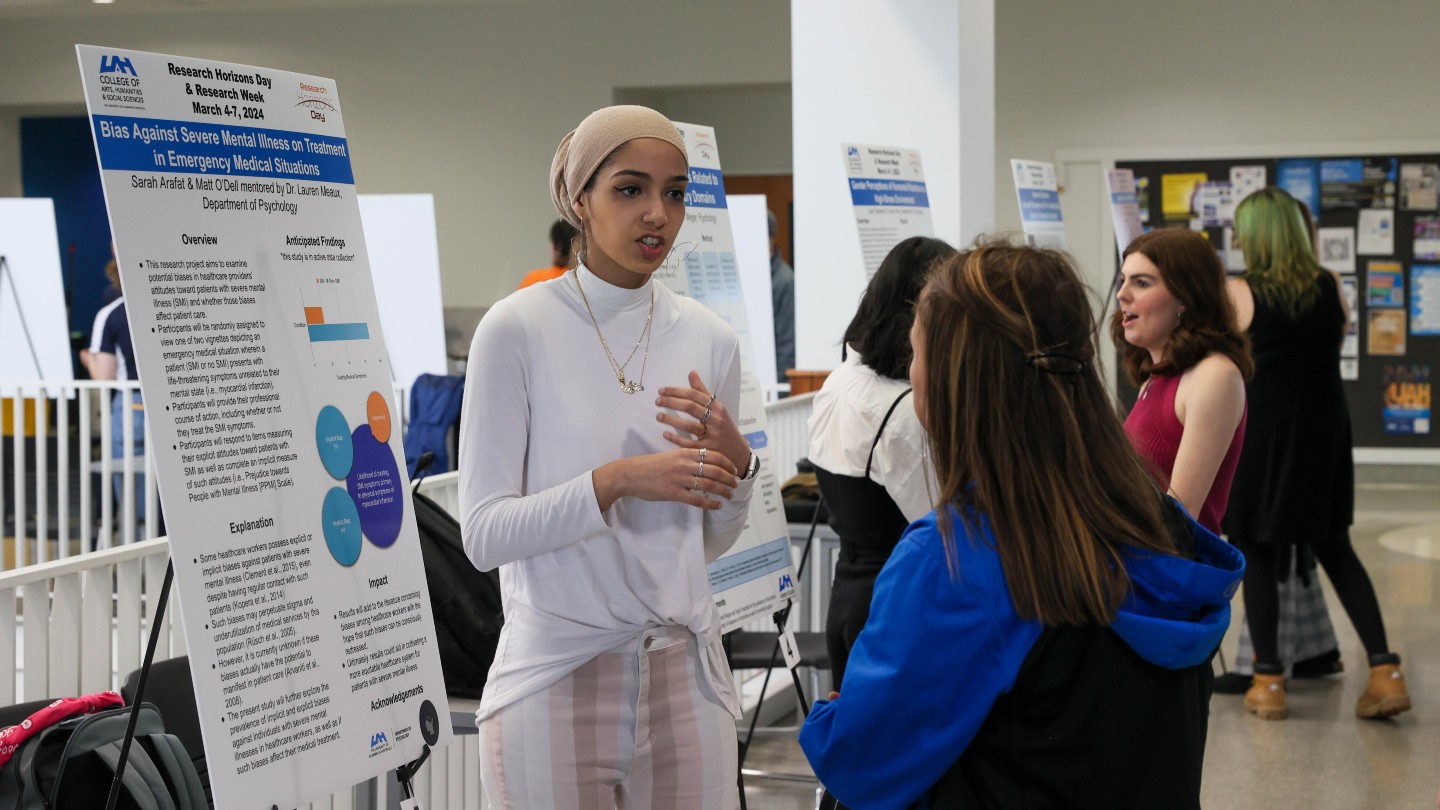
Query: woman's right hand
[675, 475]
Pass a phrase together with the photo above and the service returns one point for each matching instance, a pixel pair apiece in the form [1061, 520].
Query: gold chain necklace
[628, 386]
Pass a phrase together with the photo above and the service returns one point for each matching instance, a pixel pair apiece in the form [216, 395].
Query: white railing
[67, 431]
[788, 433]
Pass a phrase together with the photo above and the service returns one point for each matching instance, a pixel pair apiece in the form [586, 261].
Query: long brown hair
[1191, 269]
[1023, 432]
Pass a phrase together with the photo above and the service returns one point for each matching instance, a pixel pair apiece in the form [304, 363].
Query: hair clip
[1057, 363]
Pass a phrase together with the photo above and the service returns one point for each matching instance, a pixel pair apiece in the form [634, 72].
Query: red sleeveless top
[1155, 432]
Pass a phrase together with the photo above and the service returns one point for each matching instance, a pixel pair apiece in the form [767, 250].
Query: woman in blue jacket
[1044, 639]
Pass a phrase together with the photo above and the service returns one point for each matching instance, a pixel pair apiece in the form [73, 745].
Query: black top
[869, 524]
[1081, 690]
[1295, 482]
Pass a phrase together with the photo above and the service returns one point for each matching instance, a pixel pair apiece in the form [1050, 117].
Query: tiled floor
[1322, 756]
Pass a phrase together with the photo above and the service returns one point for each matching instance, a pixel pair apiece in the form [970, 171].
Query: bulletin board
[1378, 221]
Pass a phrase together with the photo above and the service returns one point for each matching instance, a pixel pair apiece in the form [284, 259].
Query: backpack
[465, 602]
[70, 766]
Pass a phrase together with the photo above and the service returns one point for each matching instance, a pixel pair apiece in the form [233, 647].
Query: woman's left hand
[704, 421]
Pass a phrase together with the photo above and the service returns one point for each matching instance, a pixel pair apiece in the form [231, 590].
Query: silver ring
[700, 473]
[706, 417]
[694, 484]
[702, 455]
[711, 402]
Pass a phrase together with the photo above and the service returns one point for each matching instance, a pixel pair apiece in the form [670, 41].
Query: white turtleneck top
[543, 408]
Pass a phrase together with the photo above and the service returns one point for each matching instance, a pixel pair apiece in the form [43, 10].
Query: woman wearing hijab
[601, 470]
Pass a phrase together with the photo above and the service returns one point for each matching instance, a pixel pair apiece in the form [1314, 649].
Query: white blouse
[847, 414]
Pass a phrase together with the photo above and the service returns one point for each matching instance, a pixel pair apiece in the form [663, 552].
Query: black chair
[170, 689]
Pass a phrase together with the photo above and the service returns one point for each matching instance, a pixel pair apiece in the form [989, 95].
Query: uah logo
[117, 64]
[853, 151]
[786, 583]
[378, 739]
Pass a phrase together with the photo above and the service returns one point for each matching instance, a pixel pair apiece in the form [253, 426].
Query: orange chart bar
[314, 315]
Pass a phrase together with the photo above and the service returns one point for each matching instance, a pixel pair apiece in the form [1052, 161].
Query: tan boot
[1266, 698]
[1385, 695]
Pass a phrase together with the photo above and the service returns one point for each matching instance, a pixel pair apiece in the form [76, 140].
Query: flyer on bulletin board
[1301, 179]
[1350, 293]
[1386, 335]
[1385, 285]
[1425, 299]
[1420, 186]
[1407, 400]
[272, 421]
[1427, 239]
[1337, 249]
[1357, 183]
[1177, 194]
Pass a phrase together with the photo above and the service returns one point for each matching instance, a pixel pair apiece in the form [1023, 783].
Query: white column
[914, 73]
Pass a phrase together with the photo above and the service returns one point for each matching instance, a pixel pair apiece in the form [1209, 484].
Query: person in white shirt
[866, 443]
[602, 469]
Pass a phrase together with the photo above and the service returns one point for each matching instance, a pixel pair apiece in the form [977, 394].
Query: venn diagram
[370, 504]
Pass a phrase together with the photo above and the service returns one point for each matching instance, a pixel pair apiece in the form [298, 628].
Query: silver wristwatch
[753, 468]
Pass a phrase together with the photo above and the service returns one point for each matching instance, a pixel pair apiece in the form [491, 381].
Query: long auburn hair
[1023, 432]
[1191, 269]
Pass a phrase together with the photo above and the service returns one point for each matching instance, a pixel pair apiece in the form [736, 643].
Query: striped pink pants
[629, 730]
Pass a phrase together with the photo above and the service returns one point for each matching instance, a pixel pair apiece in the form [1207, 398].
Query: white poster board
[33, 326]
[756, 576]
[1039, 203]
[751, 227]
[405, 263]
[887, 188]
[1124, 207]
[263, 366]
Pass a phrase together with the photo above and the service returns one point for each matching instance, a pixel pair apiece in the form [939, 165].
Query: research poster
[1039, 198]
[887, 188]
[278, 447]
[1385, 285]
[1124, 207]
[756, 576]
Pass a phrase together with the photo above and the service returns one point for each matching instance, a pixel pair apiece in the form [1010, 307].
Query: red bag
[10, 738]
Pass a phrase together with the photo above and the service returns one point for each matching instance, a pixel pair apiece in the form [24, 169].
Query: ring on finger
[702, 455]
[700, 473]
[711, 402]
[706, 417]
[694, 483]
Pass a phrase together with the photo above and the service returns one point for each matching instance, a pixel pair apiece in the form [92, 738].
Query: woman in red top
[1182, 345]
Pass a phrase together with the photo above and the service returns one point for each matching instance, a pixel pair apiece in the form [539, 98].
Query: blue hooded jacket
[939, 655]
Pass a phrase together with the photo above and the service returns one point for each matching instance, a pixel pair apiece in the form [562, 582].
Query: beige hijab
[586, 147]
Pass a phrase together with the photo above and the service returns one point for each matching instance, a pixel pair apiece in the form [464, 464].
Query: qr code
[1335, 249]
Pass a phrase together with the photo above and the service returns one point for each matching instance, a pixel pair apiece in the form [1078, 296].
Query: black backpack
[70, 766]
[465, 602]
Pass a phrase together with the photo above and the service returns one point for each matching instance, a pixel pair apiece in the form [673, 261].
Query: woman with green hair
[1294, 488]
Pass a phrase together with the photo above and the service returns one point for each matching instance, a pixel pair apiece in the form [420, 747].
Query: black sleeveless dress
[869, 524]
[1295, 483]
